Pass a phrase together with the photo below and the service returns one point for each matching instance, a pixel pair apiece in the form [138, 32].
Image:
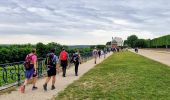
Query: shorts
[30, 73]
[64, 63]
[51, 71]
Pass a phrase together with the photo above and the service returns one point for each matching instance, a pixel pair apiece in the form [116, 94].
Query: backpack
[95, 52]
[63, 55]
[75, 58]
[50, 60]
[27, 63]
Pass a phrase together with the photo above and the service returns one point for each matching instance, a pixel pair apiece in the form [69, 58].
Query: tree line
[160, 42]
[16, 53]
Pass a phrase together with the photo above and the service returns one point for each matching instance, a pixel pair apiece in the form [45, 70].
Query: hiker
[105, 52]
[76, 59]
[95, 54]
[136, 49]
[99, 53]
[64, 61]
[31, 70]
[52, 64]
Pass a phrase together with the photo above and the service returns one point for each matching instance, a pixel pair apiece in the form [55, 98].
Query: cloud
[78, 21]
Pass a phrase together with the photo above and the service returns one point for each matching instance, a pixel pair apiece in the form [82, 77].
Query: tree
[41, 49]
[131, 39]
[140, 43]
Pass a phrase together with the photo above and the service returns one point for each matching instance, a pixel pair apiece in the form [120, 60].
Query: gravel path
[61, 84]
[157, 55]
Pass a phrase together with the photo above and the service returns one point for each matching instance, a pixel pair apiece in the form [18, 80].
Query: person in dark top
[76, 59]
[52, 64]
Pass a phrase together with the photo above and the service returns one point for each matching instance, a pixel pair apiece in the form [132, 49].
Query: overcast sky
[81, 21]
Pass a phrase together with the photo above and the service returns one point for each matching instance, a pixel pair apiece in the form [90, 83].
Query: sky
[81, 22]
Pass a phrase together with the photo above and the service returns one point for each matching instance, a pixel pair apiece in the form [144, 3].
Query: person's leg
[53, 82]
[65, 67]
[63, 71]
[76, 68]
[25, 82]
[46, 82]
[94, 60]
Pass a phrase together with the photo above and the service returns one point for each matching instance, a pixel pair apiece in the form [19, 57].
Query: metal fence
[12, 74]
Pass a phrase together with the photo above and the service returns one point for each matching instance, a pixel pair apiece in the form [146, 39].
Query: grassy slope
[122, 76]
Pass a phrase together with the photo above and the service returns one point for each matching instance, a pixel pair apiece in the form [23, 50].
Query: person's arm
[57, 64]
[35, 62]
[80, 58]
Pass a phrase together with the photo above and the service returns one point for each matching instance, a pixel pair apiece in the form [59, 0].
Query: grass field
[123, 76]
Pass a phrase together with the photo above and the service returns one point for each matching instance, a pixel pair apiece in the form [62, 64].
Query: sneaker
[45, 87]
[34, 88]
[52, 87]
[76, 74]
[22, 89]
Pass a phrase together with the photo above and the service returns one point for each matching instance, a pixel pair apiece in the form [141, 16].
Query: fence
[12, 74]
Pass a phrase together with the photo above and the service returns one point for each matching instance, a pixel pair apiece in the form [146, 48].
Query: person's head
[33, 51]
[53, 50]
[76, 50]
[63, 49]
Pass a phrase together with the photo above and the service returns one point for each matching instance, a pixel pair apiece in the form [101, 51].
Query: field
[123, 76]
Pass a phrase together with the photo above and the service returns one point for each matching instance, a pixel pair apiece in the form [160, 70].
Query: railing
[12, 74]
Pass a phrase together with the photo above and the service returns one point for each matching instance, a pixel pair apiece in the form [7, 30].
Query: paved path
[61, 84]
[160, 56]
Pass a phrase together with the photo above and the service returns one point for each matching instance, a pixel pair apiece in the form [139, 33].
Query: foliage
[131, 39]
[16, 53]
[160, 42]
[98, 46]
[140, 43]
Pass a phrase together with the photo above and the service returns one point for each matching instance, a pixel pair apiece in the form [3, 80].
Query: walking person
[105, 52]
[31, 70]
[95, 54]
[76, 59]
[64, 61]
[52, 64]
[99, 53]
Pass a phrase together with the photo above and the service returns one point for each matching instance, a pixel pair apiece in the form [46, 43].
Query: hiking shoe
[22, 89]
[76, 74]
[52, 87]
[45, 87]
[34, 88]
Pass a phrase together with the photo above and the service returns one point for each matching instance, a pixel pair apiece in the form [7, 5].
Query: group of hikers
[98, 53]
[52, 63]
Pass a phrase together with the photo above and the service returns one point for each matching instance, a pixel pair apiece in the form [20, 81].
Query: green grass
[123, 76]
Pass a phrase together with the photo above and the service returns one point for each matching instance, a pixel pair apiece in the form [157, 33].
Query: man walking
[64, 61]
[52, 64]
[31, 70]
[95, 54]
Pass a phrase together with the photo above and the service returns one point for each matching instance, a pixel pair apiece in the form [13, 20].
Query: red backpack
[27, 63]
[63, 55]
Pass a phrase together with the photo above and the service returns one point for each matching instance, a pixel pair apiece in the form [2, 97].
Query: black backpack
[50, 60]
[75, 58]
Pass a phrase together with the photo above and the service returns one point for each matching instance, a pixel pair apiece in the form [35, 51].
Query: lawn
[122, 76]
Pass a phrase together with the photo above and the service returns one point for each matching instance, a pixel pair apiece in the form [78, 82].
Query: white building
[118, 40]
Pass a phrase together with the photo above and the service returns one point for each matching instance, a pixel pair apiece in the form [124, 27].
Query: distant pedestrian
[31, 70]
[136, 50]
[76, 59]
[95, 55]
[99, 53]
[105, 52]
[64, 61]
[52, 64]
